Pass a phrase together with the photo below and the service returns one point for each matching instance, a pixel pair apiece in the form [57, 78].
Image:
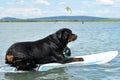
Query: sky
[44, 8]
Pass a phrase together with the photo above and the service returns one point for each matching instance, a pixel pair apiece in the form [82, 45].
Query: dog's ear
[59, 33]
[64, 34]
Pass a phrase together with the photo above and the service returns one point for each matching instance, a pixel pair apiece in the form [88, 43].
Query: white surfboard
[100, 58]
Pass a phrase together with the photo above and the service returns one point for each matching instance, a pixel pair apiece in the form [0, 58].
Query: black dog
[25, 55]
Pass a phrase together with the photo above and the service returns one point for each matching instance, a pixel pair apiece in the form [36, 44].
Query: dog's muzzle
[72, 37]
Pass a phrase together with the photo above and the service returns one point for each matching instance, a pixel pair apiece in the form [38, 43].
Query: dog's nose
[75, 36]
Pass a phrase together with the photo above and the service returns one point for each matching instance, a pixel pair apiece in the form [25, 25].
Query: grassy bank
[108, 20]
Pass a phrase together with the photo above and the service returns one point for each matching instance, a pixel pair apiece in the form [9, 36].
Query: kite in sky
[68, 9]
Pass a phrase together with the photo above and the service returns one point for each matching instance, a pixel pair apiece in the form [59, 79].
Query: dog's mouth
[72, 37]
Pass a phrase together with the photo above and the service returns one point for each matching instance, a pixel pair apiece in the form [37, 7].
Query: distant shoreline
[108, 20]
[61, 19]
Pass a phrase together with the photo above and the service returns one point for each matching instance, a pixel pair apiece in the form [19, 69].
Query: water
[93, 38]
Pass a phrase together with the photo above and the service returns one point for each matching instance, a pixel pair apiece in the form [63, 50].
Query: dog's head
[65, 35]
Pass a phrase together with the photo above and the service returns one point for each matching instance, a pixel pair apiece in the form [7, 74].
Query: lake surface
[93, 37]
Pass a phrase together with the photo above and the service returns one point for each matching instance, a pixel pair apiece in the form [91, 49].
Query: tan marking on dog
[72, 38]
[9, 57]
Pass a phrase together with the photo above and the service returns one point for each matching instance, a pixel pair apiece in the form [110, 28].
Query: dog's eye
[66, 35]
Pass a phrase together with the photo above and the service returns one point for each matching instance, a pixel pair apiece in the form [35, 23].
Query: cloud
[105, 2]
[53, 13]
[103, 12]
[21, 12]
[100, 13]
[43, 2]
[80, 12]
[62, 3]
[19, 2]
[1, 13]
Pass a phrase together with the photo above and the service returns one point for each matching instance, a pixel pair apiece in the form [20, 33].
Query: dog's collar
[64, 53]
